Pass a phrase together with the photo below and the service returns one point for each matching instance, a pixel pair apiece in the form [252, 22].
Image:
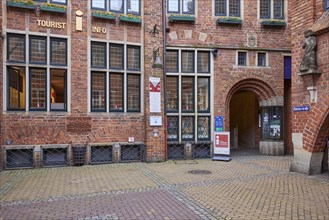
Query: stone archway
[265, 97]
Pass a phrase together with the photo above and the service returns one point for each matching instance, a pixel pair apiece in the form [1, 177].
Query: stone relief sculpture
[309, 64]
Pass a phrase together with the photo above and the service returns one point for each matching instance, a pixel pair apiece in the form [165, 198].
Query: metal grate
[101, 154]
[175, 151]
[201, 150]
[19, 158]
[132, 152]
[54, 156]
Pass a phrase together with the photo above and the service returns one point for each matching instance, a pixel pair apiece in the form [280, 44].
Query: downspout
[164, 21]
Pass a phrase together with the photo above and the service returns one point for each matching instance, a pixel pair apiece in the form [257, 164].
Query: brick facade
[310, 129]
[81, 126]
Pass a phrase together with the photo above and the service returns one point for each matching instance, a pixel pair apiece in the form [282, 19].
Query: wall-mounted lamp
[214, 52]
[157, 62]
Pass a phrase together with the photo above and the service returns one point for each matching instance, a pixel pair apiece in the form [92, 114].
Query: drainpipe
[164, 21]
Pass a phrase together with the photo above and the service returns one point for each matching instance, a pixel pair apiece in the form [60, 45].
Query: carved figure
[308, 63]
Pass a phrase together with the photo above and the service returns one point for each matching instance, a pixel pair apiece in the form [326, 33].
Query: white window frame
[180, 8]
[285, 10]
[125, 7]
[266, 59]
[228, 8]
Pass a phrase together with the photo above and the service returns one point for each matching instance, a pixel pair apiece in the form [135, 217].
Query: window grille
[176, 151]
[19, 158]
[187, 61]
[234, 8]
[203, 62]
[116, 92]
[202, 150]
[116, 56]
[242, 58]
[38, 94]
[58, 51]
[101, 154]
[133, 60]
[54, 156]
[261, 59]
[98, 91]
[98, 54]
[133, 92]
[132, 152]
[172, 61]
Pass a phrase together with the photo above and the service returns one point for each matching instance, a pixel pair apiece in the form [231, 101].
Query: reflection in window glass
[38, 50]
[172, 61]
[133, 6]
[265, 8]
[98, 4]
[188, 6]
[58, 51]
[58, 1]
[38, 89]
[203, 94]
[98, 91]
[116, 5]
[271, 123]
[188, 61]
[16, 48]
[220, 7]
[261, 59]
[133, 90]
[242, 58]
[187, 128]
[116, 56]
[203, 62]
[234, 10]
[172, 93]
[187, 94]
[173, 5]
[58, 89]
[278, 9]
[133, 58]
[116, 92]
[98, 54]
[172, 128]
[16, 90]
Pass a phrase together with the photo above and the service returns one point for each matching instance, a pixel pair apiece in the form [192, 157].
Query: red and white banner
[222, 143]
[155, 95]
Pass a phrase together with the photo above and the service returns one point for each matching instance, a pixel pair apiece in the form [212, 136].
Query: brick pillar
[155, 138]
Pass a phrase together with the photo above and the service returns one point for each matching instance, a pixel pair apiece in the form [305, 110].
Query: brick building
[310, 129]
[83, 73]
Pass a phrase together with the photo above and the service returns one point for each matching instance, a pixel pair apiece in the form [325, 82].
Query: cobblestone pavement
[250, 186]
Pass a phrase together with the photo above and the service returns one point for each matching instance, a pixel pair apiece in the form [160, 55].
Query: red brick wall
[312, 124]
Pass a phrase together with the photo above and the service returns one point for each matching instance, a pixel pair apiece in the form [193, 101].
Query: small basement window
[19, 158]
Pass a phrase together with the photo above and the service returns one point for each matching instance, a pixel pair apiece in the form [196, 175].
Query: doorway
[244, 108]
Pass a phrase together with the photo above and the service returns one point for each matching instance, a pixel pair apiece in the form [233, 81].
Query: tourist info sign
[222, 146]
[155, 95]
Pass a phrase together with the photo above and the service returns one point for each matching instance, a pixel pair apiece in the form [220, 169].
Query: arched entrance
[255, 117]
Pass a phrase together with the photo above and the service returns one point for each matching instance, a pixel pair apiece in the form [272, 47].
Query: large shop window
[181, 6]
[271, 9]
[116, 79]
[229, 8]
[37, 69]
[118, 6]
[188, 95]
[271, 121]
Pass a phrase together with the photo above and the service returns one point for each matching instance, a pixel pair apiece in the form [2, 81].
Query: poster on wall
[155, 95]
[222, 146]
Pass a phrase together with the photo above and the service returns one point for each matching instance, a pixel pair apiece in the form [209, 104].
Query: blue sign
[304, 108]
[219, 123]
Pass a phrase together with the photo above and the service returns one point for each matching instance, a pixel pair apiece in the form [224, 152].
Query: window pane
[58, 51]
[116, 5]
[58, 1]
[116, 56]
[98, 4]
[172, 93]
[188, 61]
[203, 62]
[234, 8]
[116, 92]
[265, 8]
[187, 94]
[261, 59]
[133, 58]
[275, 123]
[203, 94]
[242, 58]
[16, 90]
[133, 6]
[265, 123]
[172, 128]
[278, 9]
[38, 50]
[173, 5]
[220, 7]
[188, 6]
[172, 61]
[58, 89]
[187, 128]
[98, 91]
[16, 48]
[133, 90]
[98, 54]
[38, 89]
[203, 128]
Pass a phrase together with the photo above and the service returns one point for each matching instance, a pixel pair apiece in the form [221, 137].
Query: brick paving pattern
[249, 187]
